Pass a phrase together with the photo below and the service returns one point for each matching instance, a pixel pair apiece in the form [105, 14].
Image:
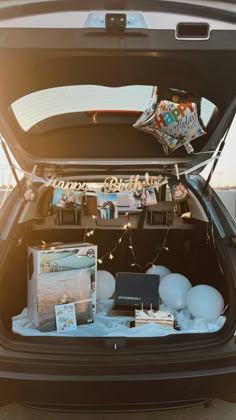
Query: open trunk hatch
[71, 109]
[179, 52]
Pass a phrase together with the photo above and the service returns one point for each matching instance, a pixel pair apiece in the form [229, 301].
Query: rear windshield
[38, 106]
[91, 121]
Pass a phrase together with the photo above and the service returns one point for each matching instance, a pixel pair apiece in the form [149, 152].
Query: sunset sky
[225, 172]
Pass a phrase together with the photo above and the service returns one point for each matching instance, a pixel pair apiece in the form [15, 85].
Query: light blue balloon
[173, 290]
[105, 285]
[161, 270]
[205, 302]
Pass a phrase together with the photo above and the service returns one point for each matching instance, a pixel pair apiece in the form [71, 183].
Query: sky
[225, 171]
[6, 176]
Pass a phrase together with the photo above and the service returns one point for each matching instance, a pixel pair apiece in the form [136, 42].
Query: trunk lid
[74, 82]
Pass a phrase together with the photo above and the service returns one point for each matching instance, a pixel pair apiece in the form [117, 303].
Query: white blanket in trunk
[118, 326]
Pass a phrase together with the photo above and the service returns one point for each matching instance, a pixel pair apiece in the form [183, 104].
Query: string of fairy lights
[127, 230]
[91, 232]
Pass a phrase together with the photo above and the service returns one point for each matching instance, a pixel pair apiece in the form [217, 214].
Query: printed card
[142, 198]
[67, 198]
[107, 203]
[65, 317]
[178, 189]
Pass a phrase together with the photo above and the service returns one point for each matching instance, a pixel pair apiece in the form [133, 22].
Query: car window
[157, 120]
[35, 107]
[38, 106]
[223, 179]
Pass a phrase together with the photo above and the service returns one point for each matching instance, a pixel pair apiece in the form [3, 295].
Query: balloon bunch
[176, 292]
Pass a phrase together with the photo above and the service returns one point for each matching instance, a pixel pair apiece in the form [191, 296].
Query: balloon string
[222, 313]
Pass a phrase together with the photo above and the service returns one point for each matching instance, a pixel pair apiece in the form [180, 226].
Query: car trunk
[90, 144]
[188, 245]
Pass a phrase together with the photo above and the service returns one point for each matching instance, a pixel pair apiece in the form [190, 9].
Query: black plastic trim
[142, 40]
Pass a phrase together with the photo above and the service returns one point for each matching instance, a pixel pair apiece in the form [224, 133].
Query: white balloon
[173, 290]
[205, 302]
[105, 285]
[160, 270]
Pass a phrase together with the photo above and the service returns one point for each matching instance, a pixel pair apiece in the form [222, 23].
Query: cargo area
[179, 238]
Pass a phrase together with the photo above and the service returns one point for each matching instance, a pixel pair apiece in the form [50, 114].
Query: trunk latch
[115, 22]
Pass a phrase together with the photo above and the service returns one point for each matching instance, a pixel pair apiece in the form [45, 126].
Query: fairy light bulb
[90, 233]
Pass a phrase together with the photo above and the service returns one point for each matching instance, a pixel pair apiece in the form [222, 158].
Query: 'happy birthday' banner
[110, 184]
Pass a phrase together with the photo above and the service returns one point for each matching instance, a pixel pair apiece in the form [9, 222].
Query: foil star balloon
[173, 117]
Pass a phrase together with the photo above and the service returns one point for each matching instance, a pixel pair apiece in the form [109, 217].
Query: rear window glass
[31, 109]
[94, 121]
[38, 106]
